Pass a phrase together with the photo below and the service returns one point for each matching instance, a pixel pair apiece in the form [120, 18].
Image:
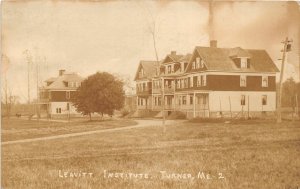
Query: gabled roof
[185, 58]
[238, 52]
[60, 82]
[149, 68]
[220, 59]
[51, 79]
[175, 57]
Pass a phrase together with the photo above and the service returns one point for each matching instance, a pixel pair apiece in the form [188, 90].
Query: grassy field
[250, 154]
[15, 129]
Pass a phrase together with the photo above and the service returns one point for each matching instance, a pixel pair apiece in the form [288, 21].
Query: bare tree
[152, 29]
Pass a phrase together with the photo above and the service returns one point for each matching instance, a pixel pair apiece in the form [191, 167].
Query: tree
[289, 88]
[100, 93]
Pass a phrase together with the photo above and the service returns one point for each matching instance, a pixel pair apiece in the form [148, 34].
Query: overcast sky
[114, 36]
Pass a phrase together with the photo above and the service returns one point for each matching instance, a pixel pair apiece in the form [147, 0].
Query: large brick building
[56, 95]
[209, 82]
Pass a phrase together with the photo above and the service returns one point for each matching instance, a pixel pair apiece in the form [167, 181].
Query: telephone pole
[163, 104]
[286, 48]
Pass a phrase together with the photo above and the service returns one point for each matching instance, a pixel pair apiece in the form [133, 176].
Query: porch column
[194, 104]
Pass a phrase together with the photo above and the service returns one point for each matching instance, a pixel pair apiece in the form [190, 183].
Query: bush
[124, 112]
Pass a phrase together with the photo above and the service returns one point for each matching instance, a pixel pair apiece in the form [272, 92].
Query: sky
[113, 36]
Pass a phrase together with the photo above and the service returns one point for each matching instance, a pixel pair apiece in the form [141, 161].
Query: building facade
[210, 82]
[56, 95]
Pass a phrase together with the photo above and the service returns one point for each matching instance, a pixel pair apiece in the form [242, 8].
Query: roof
[238, 52]
[60, 82]
[185, 58]
[177, 58]
[149, 68]
[220, 59]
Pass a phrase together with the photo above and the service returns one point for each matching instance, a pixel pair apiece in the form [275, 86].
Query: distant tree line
[290, 91]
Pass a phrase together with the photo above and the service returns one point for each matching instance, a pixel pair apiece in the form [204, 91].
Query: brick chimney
[173, 53]
[213, 43]
[61, 72]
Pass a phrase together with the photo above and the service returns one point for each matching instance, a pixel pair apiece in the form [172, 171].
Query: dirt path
[141, 123]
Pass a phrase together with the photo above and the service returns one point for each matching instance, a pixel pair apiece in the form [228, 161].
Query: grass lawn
[239, 155]
[15, 129]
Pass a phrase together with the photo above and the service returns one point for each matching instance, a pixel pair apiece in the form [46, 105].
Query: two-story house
[145, 72]
[217, 82]
[56, 95]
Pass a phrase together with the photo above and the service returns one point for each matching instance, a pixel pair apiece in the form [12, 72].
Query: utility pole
[286, 48]
[37, 89]
[29, 60]
[163, 104]
[6, 96]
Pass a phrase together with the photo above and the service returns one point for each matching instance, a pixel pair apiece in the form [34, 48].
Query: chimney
[173, 53]
[61, 72]
[213, 43]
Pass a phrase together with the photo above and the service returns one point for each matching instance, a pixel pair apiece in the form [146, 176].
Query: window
[204, 100]
[264, 81]
[203, 80]
[191, 99]
[159, 100]
[185, 81]
[243, 81]
[243, 62]
[264, 100]
[191, 82]
[58, 110]
[194, 65]
[198, 81]
[143, 86]
[184, 100]
[50, 95]
[68, 94]
[166, 84]
[243, 100]
[169, 69]
[201, 64]
[178, 84]
[197, 62]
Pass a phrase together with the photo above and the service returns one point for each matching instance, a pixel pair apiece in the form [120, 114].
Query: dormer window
[244, 63]
[141, 74]
[197, 62]
[194, 65]
[201, 64]
[169, 69]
